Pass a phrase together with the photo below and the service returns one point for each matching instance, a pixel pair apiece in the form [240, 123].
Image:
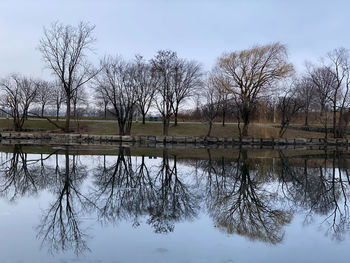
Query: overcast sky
[196, 29]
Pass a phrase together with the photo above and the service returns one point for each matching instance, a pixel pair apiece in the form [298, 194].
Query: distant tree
[252, 73]
[340, 67]
[58, 97]
[222, 84]
[287, 106]
[186, 80]
[163, 65]
[64, 49]
[18, 93]
[213, 98]
[324, 80]
[305, 89]
[44, 95]
[101, 99]
[145, 83]
[116, 82]
[79, 97]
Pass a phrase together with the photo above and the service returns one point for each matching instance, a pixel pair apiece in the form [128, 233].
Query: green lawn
[155, 128]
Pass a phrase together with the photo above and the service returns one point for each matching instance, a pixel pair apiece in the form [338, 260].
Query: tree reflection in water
[251, 197]
[240, 201]
[319, 188]
[175, 200]
[126, 191]
[119, 191]
[60, 226]
[21, 176]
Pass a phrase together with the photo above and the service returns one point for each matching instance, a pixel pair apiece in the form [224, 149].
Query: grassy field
[155, 128]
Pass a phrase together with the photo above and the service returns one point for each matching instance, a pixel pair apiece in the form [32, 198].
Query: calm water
[139, 205]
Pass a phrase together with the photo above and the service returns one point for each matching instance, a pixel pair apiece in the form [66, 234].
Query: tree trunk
[128, 126]
[210, 127]
[166, 126]
[143, 118]
[326, 125]
[67, 126]
[223, 117]
[105, 113]
[175, 116]
[57, 113]
[334, 121]
[306, 118]
[121, 128]
[16, 126]
[42, 110]
[75, 110]
[245, 129]
[245, 113]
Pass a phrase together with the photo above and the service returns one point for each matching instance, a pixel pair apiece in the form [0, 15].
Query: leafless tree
[79, 97]
[58, 97]
[163, 65]
[287, 106]
[340, 65]
[116, 82]
[146, 83]
[252, 73]
[18, 94]
[324, 80]
[305, 89]
[211, 108]
[222, 84]
[187, 79]
[64, 49]
[44, 94]
[101, 99]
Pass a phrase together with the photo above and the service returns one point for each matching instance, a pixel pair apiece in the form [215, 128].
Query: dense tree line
[242, 84]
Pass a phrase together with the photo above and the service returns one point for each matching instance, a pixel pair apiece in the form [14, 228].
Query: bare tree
[252, 73]
[340, 65]
[79, 97]
[324, 81]
[213, 98]
[287, 106]
[58, 97]
[145, 83]
[19, 93]
[101, 99]
[163, 67]
[305, 89]
[44, 95]
[187, 78]
[116, 82]
[222, 84]
[64, 49]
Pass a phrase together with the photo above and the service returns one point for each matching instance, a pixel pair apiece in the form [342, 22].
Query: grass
[195, 129]
[155, 128]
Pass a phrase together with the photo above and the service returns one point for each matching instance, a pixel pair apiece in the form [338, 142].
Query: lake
[108, 204]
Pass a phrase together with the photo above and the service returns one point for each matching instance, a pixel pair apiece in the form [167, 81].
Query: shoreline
[172, 141]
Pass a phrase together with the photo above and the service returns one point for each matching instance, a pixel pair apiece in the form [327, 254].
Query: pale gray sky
[196, 29]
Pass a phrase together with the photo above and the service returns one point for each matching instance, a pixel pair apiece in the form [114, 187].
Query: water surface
[60, 204]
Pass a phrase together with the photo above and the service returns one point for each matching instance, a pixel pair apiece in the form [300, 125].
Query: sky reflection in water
[240, 207]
